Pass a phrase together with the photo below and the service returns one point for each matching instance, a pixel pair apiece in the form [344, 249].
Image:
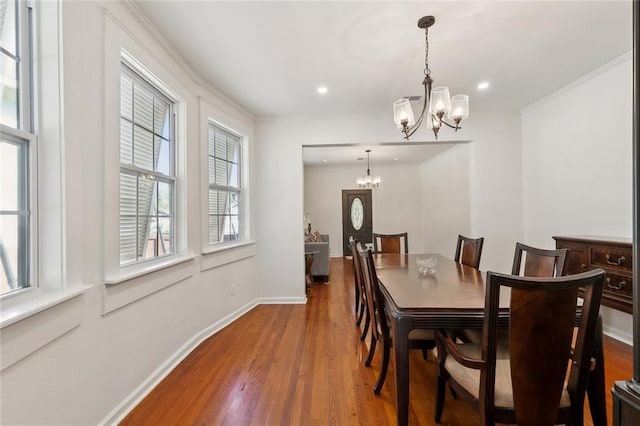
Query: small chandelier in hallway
[367, 181]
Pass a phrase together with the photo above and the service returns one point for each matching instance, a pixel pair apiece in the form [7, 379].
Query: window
[225, 186]
[147, 170]
[17, 149]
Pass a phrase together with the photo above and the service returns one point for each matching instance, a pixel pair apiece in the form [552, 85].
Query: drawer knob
[583, 266]
[618, 262]
[620, 285]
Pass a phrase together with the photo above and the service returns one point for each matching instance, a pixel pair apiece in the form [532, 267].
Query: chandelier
[437, 102]
[367, 181]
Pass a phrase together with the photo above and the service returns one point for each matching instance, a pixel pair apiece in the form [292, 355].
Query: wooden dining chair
[538, 262]
[360, 295]
[527, 385]
[390, 243]
[469, 251]
[379, 329]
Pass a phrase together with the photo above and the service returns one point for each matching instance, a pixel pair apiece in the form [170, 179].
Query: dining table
[450, 296]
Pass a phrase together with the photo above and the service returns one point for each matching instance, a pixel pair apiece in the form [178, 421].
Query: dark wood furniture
[417, 339]
[538, 262]
[451, 298]
[614, 255]
[361, 295]
[390, 243]
[469, 251]
[626, 404]
[526, 385]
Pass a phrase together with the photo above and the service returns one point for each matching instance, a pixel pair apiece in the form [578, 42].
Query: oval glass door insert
[357, 213]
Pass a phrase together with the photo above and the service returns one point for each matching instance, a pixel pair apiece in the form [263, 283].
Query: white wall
[576, 161]
[396, 203]
[494, 186]
[446, 200]
[96, 370]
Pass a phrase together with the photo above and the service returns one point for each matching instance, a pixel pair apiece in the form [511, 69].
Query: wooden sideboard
[609, 253]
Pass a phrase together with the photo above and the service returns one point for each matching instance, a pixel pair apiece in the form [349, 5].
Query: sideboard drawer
[609, 253]
[611, 258]
[619, 285]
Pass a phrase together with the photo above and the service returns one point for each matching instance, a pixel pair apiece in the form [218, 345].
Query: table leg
[596, 385]
[401, 351]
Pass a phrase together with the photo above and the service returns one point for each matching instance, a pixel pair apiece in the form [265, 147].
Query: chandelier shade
[368, 181]
[403, 113]
[438, 105]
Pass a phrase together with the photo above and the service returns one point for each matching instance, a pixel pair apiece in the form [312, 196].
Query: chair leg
[357, 298]
[360, 314]
[372, 350]
[440, 391]
[454, 394]
[385, 365]
[367, 320]
[425, 354]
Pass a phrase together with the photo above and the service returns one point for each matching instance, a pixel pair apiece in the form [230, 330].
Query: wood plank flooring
[303, 365]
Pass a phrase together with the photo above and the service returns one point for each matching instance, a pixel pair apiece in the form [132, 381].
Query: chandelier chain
[427, 71]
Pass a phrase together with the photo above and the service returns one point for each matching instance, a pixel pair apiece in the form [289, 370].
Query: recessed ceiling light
[324, 161]
[322, 90]
[395, 159]
[483, 85]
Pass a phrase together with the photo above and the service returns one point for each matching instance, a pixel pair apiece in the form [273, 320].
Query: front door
[357, 221]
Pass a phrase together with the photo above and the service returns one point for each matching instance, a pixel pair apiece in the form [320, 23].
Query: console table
[612, 254]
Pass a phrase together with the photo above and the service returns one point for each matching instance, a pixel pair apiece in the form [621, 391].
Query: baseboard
[121, 410]
[282, 301]
[615, 334]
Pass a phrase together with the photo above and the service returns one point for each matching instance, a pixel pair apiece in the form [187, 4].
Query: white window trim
[168, 261]
[116, 273]
[32, 192]
[244, 219]
[134, 170]
[13, 314]
[52, 305]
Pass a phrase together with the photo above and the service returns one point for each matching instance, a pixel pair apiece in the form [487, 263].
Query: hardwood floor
[303, 365]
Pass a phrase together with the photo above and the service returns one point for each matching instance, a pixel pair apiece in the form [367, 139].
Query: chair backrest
[542, 316]
[390, 243]
[538, 262]
[375, 301]
[357, 266]
[469, 251]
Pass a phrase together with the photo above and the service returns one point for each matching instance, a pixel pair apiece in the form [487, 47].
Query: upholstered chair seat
[469, 378]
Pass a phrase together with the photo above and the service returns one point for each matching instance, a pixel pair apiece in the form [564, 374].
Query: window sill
[225, 254]
[37, 320]
[228, 246]
[37, 303]
[133, 285]
[137, 271]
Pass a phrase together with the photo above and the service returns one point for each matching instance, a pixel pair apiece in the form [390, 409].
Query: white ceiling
[271, 56]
